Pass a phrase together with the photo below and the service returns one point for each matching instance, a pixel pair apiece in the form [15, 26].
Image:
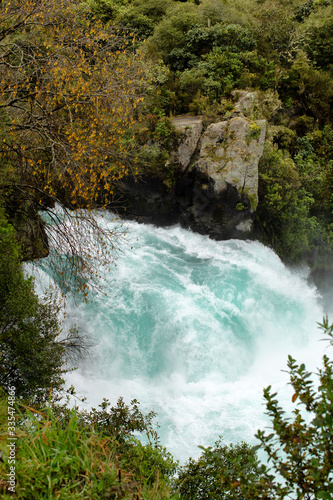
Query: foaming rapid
[194, 329]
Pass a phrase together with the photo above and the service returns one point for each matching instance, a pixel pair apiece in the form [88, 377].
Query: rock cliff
[215, 189]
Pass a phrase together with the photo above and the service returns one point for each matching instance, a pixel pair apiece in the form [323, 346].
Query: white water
[194, 329]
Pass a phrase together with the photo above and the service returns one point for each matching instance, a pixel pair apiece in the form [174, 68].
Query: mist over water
[194, 329]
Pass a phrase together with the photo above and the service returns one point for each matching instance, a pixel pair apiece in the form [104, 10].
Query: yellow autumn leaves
[67, 97]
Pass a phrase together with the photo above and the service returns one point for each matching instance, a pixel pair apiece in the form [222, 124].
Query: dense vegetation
[63, 453]
[64, 139]
[203, 50]
[30, 356]
[86, 92]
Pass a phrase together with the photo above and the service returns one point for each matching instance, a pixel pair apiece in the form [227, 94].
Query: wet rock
[215, 183]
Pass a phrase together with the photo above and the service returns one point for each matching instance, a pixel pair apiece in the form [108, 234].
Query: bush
[215, 474]
[201, 40]
[155, 10]
[274, 31]
[311, 88]
[301, 449]
[170, 32]
[283, 211]
[31, 353]
[67, 454]
[320, 44]
[138, 23]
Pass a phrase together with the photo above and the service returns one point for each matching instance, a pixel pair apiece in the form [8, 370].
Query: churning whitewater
[194, 329]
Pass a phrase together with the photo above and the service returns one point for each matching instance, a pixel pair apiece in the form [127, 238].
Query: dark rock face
[216, 215]
[149, 200]
[215, 183]
[192, 203]
[32, 237]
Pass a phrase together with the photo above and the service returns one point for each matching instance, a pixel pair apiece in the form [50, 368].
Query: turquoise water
[194, 329]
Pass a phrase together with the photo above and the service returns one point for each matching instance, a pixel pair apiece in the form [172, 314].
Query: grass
[62, 458]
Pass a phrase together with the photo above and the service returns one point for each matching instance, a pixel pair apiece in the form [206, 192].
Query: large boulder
[245, 101]
[214, 189]
[189, 129]
[230, 153]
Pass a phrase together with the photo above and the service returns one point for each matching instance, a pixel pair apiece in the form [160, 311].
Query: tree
[69, 90]
[274, 29]
[70, 87]
[32, 355]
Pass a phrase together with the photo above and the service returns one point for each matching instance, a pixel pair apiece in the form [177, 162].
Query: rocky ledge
[215, 189]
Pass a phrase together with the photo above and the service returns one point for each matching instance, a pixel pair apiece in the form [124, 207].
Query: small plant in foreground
[61, 454]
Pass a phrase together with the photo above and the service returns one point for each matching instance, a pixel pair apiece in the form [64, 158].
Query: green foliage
[312, 89]
[170, 32]
[104, 9]
[64, 462]
[255, 130]
[200, 40]
[164, 128]
[295, 192]
[31, 353]
[215, 474]
[121, 421]
[139, 16]
[320, 44]
[214, 11]
[138, 23]
[303, 11]
[217, 73]
[63, 453]
[274, 30]
[315, 174]
[321, 142]
[159, 139]
[258, 72]
[284, 209]
[222, 70]
[300, 448]
[155, 10]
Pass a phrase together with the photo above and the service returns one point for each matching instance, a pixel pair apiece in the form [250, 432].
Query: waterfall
[194, 329]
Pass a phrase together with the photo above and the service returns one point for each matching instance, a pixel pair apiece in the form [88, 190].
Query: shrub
[312, 89]
[320, 44]
[63, 453]
[300, 449]
[32, 356]
[214, 475]
[284, 207]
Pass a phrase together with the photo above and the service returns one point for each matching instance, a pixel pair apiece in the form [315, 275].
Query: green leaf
[325, 495]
